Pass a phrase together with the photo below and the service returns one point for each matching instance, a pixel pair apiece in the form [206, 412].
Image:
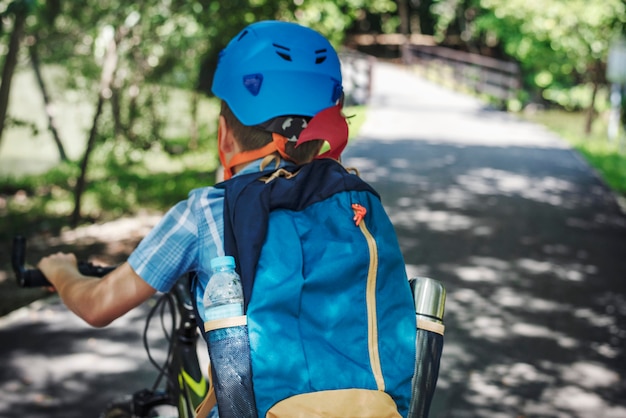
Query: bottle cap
[429, 296]
[224, 261]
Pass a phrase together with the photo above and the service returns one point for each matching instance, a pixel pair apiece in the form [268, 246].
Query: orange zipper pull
[359, 213]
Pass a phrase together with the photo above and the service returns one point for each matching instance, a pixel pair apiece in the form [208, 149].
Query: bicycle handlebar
[34, 277]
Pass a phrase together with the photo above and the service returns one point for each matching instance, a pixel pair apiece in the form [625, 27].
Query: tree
[35, 63]
[21, 10]
[559, 44]
[109, 68]
[171, 44]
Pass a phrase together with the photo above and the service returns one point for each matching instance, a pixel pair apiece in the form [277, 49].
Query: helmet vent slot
[282, 52]
[320, 58]
[244, 33]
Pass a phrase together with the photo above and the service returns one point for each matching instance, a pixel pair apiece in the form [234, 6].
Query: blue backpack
[330, 315]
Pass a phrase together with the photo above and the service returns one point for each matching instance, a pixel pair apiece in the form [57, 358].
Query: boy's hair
[252, 137]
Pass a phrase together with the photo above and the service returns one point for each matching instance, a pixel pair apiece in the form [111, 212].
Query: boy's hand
[58, 265]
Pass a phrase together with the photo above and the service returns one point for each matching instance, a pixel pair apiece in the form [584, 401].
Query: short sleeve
[170, 249]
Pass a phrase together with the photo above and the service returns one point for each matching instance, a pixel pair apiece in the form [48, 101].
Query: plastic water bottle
[229, 347]
[223, 296]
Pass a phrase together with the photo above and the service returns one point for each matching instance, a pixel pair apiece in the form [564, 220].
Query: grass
[606, 156]
[41, 203]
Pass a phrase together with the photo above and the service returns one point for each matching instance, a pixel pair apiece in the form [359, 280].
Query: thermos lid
[429, 296]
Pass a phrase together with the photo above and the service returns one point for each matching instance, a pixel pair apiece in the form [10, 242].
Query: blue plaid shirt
[178, 244]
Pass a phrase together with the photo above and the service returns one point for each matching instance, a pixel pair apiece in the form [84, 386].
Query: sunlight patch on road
[594, 318]
[572, 272]
[489, 181]
[539, 331]
[489, 327]
[590, 375]
[581, 403]
[486, 391]
[512, 299]
[455, 197]
[67, 366]
[435, 220]
[567, 389]
[521, 373]
[477, 274]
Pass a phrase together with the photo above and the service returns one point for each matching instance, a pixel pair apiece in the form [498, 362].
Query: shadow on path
[56, 366]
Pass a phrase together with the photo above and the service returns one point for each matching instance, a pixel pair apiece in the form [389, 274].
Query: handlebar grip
[32, 278]
[35, 278]
[25, 278]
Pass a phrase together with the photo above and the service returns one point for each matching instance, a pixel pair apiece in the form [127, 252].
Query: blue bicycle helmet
[275, 68]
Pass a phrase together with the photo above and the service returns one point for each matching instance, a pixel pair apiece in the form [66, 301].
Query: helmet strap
[277, 145]
[329, 124]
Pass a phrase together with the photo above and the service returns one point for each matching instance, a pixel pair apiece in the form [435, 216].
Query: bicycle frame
[192, 384]
[185, 383]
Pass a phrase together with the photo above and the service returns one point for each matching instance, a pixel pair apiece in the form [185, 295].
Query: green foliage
[577, 97]
[356, 118]
[123, 182]
[36, 203]
[559, 44]
[160, 43]
[450, 18]
[127, 182]
[21, 7]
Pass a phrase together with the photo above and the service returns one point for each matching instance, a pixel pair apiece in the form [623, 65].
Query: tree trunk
[591, 112]
[34, 59]
[118, 125]
[193, 134]
[10, 63]
[403, 15]
[108, 71]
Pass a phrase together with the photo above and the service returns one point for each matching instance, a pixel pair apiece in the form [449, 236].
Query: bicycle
[180, 385]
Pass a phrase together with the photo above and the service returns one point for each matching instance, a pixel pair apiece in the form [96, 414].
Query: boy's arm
[97, 301]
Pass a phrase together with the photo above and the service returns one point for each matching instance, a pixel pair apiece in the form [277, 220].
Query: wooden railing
[500, 80]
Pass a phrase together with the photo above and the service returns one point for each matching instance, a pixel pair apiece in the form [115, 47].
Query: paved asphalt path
[529, 243]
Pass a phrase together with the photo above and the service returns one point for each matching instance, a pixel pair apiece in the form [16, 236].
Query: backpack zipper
[370, 294]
